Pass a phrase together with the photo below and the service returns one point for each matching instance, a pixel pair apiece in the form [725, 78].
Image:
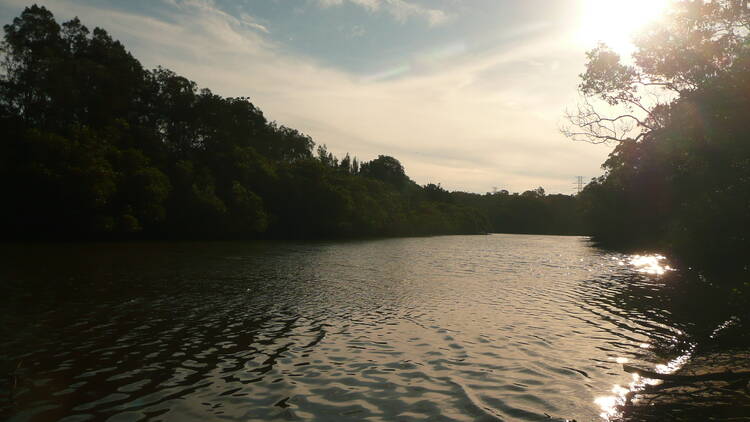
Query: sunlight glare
[611, 405]
[615, 22]
[650, 264]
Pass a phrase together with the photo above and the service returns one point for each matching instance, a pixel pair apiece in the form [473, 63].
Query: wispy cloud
[401, 10]
[209, 7]
[252, 23]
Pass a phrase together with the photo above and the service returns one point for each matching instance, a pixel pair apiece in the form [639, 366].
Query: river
[466, 328]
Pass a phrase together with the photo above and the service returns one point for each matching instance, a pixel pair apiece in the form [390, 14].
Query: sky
[470, 94]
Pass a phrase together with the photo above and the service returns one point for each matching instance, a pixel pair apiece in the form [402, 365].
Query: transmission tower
[579, 183]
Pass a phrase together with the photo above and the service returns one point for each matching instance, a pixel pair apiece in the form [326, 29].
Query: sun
[615, 22]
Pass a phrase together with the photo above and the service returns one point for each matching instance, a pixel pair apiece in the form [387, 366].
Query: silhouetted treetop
[385, 168]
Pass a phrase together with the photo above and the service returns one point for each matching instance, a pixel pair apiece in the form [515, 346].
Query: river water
[466, 328]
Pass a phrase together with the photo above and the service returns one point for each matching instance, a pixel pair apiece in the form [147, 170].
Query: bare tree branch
[588, 125]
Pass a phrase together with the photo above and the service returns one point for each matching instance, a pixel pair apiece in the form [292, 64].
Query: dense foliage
[682, 184]
[96, 146]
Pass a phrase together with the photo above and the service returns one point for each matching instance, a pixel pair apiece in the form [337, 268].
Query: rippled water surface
[468, 328]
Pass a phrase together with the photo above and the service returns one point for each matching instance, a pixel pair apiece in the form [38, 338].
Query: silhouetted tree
[680, 179]
[385, 168]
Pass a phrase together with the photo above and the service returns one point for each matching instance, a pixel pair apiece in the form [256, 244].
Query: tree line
[95, 146]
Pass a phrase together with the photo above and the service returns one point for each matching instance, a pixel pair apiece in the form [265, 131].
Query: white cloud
[401, 10]
[468, 121]
[209, 8]
[252, 23]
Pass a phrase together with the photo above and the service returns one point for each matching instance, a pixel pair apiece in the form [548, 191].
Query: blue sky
[466, 93]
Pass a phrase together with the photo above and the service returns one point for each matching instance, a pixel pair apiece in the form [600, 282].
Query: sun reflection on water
[611, 404]
[650, 264]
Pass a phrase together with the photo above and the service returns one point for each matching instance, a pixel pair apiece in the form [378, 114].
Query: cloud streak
[400, 10]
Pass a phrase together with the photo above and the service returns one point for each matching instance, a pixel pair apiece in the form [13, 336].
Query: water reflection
[612, 405]
[655, 266]
[650, 264]
[448, 328]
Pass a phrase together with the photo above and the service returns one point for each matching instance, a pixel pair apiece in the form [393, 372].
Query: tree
[697, 42]
[678, 178]
[30, 48]
[385, 168]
